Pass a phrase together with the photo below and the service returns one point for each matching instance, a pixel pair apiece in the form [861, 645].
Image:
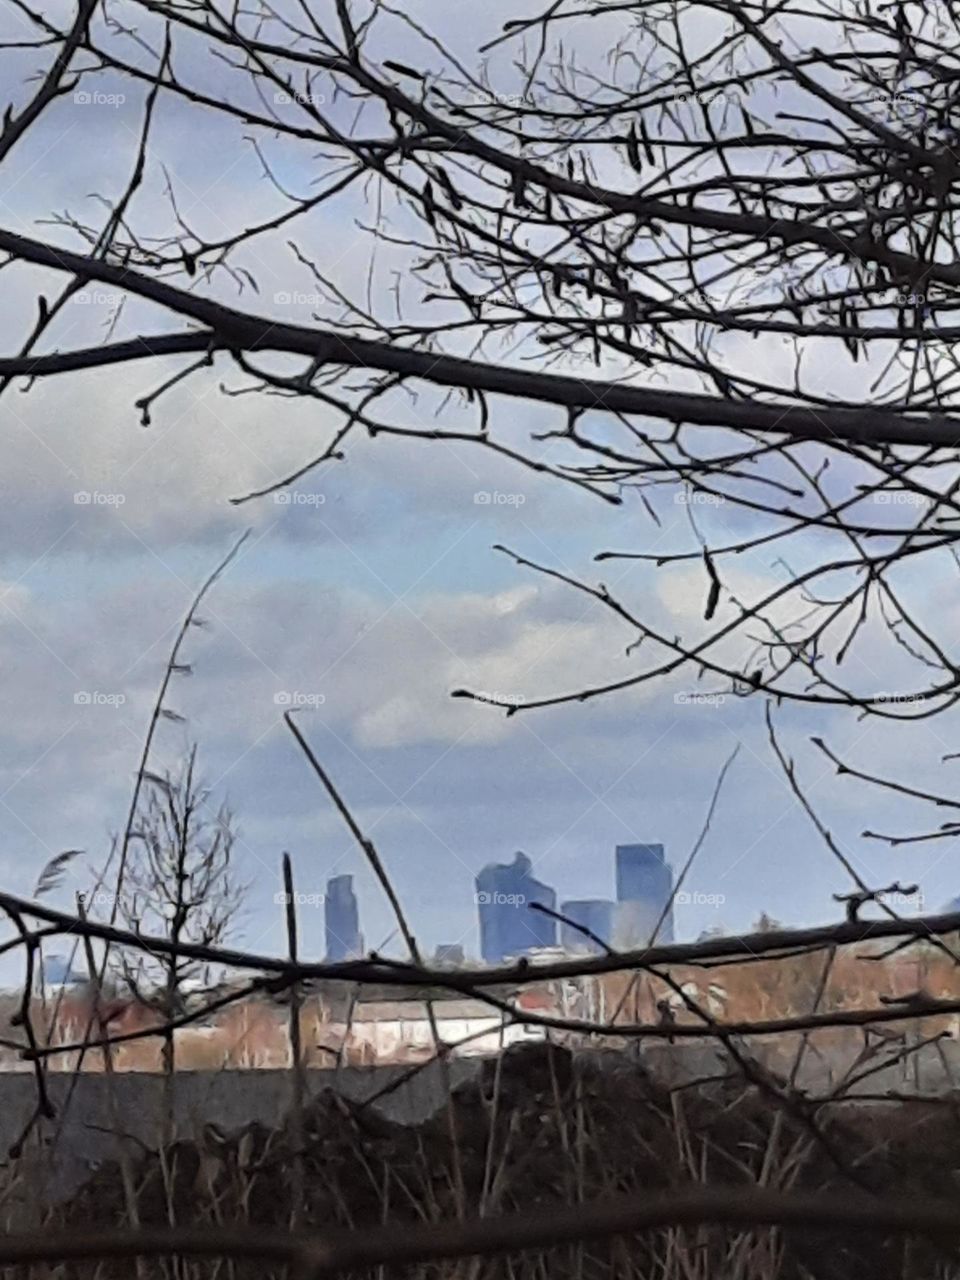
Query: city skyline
[517, 914]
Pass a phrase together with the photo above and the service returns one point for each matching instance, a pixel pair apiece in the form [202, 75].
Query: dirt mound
[539, 1128]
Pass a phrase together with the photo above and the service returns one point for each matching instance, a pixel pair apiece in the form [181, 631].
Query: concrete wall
[84, 1131]
[232, 1099]
[930, 1071]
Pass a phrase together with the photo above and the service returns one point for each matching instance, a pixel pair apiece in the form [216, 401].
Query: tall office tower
[508, 926]
[595, 914]
[644, 888]
[341, 920]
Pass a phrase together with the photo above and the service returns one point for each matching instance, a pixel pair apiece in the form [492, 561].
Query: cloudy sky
[365, 596]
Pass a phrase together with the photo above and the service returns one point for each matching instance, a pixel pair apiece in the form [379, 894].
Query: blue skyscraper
[595, 914]
[508, 926]
[342, 920]
[644, 887]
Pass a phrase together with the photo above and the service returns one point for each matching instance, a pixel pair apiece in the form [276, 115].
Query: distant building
[509, 926]
[341, 920]
[595, 914]
[644, 890]
[402, 1031]
[634, 922]
[55, 974]
[449, 955]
